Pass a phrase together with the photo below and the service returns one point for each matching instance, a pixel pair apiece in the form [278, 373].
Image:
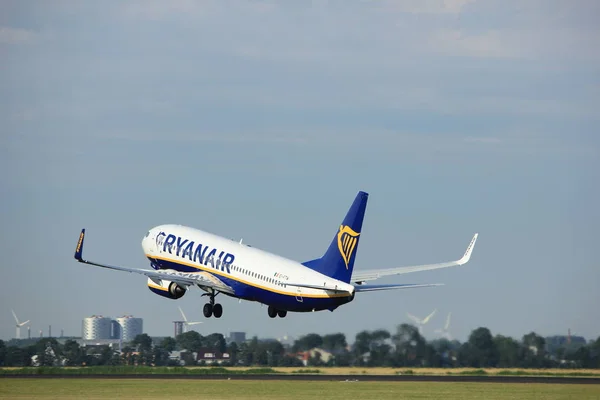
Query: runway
[338, 378]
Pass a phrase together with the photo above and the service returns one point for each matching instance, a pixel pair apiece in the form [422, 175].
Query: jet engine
[168, 289]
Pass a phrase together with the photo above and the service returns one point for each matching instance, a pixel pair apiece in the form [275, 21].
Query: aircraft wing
[361, 276]
[201, 279]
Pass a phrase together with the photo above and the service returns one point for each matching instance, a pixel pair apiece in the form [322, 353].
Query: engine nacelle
[168, 289]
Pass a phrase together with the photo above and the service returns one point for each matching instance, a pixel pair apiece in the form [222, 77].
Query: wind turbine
[445, 332]
[186, 323]
[19, 324]
[421, 322]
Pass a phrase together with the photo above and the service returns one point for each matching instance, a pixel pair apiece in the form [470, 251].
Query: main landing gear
[273, 312]
[211, 308]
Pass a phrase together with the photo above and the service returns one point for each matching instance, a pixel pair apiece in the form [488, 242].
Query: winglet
[467, 255]
[79, 248]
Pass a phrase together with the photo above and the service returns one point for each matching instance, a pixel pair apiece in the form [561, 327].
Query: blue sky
[261, 120]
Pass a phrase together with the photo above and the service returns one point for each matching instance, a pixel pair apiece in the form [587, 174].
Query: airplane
[183, 257]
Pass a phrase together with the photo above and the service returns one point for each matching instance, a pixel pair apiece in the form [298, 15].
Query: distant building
[115, 330]
[130, 327]
[315, 353]
[209, 356]
[96, 327]
[178, 327]
[237, 337]
[564, 340]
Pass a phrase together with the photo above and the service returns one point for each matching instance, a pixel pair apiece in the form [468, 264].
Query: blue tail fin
[338, 260]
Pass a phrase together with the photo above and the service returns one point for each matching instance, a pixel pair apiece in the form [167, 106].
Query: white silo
[95, 327]
[130, 327]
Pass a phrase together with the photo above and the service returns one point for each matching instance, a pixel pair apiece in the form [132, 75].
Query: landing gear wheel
[272, 312]
[282, 313]
[212, 308]
[217, 310]
[208, 310]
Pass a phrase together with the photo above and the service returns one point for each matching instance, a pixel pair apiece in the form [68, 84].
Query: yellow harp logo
[346, 241]
[79, 243]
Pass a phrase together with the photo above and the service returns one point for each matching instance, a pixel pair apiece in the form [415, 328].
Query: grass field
[431, 371]
[358, 371]
[283, 390]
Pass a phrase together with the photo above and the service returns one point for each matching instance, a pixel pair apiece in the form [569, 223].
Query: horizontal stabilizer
[371, 288]
[366, 275]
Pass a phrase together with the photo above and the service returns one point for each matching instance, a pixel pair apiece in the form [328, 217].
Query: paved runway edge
[337, 378]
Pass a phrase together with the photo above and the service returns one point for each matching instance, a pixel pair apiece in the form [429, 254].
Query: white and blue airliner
[182, 257]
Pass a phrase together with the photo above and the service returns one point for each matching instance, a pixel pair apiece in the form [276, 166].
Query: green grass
[131, 370]
[132, 389]
[559, 373]
[306, 371]
[405, 372]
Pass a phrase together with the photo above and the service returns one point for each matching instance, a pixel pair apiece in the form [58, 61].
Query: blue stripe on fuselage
[252, 293]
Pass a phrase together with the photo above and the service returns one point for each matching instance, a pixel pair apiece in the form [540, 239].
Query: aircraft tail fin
[338, 260]
[79, 249]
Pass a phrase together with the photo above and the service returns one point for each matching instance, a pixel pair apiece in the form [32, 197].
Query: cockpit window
[147, 233]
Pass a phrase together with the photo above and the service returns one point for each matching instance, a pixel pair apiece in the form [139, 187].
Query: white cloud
[485, 140]
[156, 9]
[428, 6]
[16, 36]
[456, 6]
[341, 58]
[160, 10]
[361, 30]
[23, 115]
[491, 44]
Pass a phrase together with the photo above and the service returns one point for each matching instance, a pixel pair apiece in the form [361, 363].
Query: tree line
[377, 348]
